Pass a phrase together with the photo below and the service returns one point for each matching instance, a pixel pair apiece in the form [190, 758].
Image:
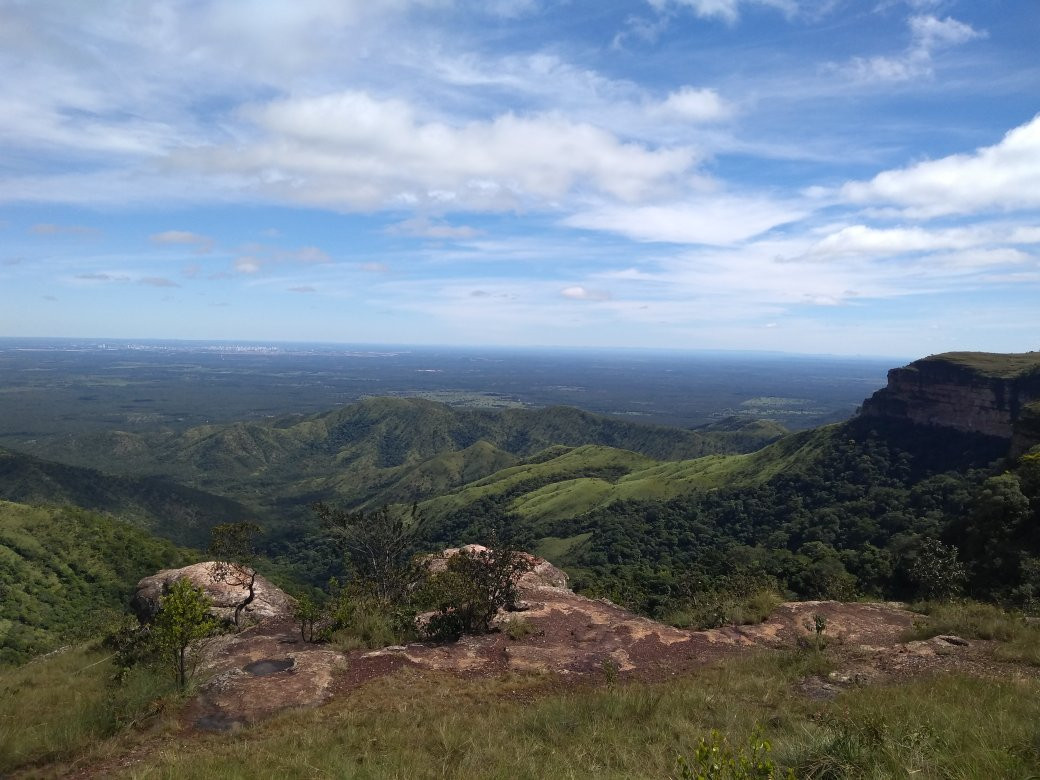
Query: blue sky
[837, 176]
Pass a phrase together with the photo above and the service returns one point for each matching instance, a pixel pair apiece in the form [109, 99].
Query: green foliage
[309, 615]
[378, 545]
[937, 572]
[63, 572]
[716, 759]
[517, 628]
[168, 510]
[183, 619]
[357, 618]
[471, 590]
[233, 545]
[723, 601]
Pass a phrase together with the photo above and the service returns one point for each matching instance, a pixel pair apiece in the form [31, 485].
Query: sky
[817, 176]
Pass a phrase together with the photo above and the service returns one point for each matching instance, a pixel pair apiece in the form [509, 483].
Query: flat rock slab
[259, 672]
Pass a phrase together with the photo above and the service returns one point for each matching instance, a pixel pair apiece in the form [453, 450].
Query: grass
[1019, 640]
[726, 609]
[428, 725]
[59, 706]
[420, 724]
[1004, 366]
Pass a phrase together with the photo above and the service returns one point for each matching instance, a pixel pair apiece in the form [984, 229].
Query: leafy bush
[468, 593]
[716, 759]
[358, 619]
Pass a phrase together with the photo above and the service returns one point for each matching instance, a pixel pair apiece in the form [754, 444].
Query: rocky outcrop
[979, 393]
[225, 592]
[537, 571]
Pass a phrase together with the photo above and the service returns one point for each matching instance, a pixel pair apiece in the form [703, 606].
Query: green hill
[383, 449]
[181, 514]
[61, 570]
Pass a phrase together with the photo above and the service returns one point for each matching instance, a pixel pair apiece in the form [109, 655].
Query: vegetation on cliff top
[990, 364]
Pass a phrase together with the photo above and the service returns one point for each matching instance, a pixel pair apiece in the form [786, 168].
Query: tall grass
[1019, 640]
[56, 706]
[421, 725]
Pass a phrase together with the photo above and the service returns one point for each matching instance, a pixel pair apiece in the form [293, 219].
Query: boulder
[225, 592]
[540, 573]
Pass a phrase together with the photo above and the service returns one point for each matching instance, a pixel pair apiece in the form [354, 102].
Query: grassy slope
[567, 486]
[62, 570]
[431, 725]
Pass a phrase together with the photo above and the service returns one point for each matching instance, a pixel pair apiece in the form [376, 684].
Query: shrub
[716, 759]
[517, 628]
[467, 595]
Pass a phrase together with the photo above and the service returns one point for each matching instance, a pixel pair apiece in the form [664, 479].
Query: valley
[929, 494]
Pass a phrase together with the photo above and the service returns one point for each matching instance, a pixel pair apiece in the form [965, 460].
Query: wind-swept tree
[233, 546]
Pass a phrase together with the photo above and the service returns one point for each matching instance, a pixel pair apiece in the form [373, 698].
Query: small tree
[937, 572]
[378, 544]
[232, 544]
[183, 618]
[472, 588]
[309, 614]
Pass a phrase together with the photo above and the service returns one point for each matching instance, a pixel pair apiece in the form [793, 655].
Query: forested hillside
[181, 514]
[65, 572]
[382, 450]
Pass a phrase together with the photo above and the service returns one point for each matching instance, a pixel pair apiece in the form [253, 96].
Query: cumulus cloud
[724, 219]
[928, 35]
[692, 104]
[1002, 177]
[579, 293]
[374, 268]
[201, 243]
[351, 150]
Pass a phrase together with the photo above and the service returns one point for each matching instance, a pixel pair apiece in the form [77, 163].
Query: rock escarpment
[990, 394]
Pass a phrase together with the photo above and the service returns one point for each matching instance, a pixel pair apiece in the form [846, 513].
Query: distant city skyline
[835, 177]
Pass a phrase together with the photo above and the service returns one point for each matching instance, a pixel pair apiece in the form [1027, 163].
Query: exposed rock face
[225, 592]
[970, 392]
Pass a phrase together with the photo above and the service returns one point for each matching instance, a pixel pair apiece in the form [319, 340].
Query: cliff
[995, 395]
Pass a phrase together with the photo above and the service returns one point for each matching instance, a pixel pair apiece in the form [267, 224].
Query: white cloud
[579, 293]
[201, 243]
[726, 10]
[696, 105]
[1003, 177]
[352, 151]
[865, 240]
[247, 265]
[928, 35]
[721, 220]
